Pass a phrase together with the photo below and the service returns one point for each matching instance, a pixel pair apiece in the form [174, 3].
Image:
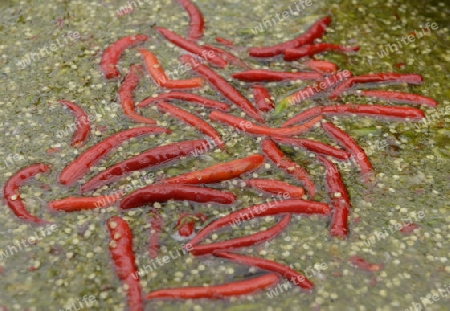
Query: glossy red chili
[83, 126]
[248, 127]
[231, 289]
[262, 98]
[73, 204]
[192, 120]
[364, 265]
[77, 168]
[156, 223]
[276, 187]
[271, 266]
[162, 193]
[193, 48]
[151, 158]
[219, 172]
[196, 23]
[227, 56]
[316, 31]
[321, 66]
[122, 255]
[250, 240]
[11, 192]
[265, 75]
[193, 98]
[313, 49]
[223, 87]
[271, 150]
[111, 55]
[398, 97]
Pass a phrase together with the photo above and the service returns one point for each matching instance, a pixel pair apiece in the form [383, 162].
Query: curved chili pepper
[162, 193]
[313, 146]
[262, 98]
[265, 75]
[364, 265]
[155, 230]
[126, 95]
[276, 187]
[313, 49]
[111, 55]
[249, 240]
[340, 201]
[193, 48]
[223, 87]
[72, 204]
[316, 31]
[192, 120]
[377, 77]
[122, 255]
[224, 41]
[321, 66]
[231, 289]
[351, 146]
[219, 172]
[227, 56]
[150, 158]
[77, 168]
[11, 192]
[251, 128]
[271, 266]
[206, 102]
[260, 210]
[397, 112]
[271, 150]
[159, 76]
[398, 97]
[196, 24]
[83, 127]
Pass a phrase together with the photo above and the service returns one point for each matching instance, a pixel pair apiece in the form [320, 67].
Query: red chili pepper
[122, 255]
[322, 66]
[150, 158]
[313, 146]
[231, 289]
[83, 127]
[251, 128]
[219, 172]
[250, 240]
[223, 87]
[224, 41]
[316, 31]
[271, 150]
[408, 229]
[397, 112]
[159, 76]
[11, 192]
[228, 57]
[271, 266]
[276, 187]
[196, 24]
[111, 55]
[260, 210]
[340, 201]
[364, 265]
[186, 223]
[313, 49]
[351, 146]
[262, 98]
[126, 95]
[155, 230]
[72, 204]
[192, 120]
[374, 78]
[193, 48]
[162, 193]
[77, 168]
[398, 97]
[193, 98]
[265, 75]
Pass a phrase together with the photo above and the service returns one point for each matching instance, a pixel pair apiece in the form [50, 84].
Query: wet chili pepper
[321, 66]
[77, 168]
[186, 223]
[11, 192]
[122, 255]
[73, 204]
[316, 31]
[83, 127]
[271, 266]
[219, 172]
[156, 223]
[193, 98]
[224, 41]
[151, 158]
[196, 23]
[111, 55]
[398, 97]
[227, 56]
[231, 289]
[262, 98]
[162, 193]
[265, 75]
[276, 187]
[313, 49]
[271, 150]
[364, 265]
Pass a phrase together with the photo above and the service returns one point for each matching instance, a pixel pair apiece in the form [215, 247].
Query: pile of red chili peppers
[192, 186]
